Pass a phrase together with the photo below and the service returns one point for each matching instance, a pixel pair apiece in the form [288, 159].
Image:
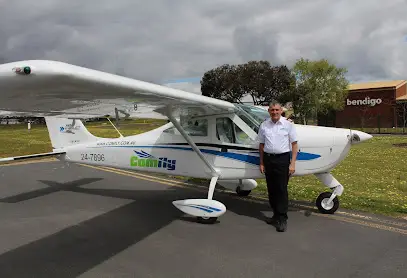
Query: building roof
[377, 84]
[403, 98]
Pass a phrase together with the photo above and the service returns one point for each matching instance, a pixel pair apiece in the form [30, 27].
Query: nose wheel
[326, 204]
[206, 220]
[242, 192]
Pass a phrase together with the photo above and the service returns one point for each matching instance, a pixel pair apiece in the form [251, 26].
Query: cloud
[160, 40]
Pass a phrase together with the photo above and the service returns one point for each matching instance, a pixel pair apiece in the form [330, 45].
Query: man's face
[275, 112]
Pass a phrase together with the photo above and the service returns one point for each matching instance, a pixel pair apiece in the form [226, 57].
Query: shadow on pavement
[77, 249]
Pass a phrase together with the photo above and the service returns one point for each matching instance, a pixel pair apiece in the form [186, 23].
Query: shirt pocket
[283, 131]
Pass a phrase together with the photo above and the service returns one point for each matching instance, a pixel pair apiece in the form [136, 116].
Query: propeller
[353, 137]
[356, 136]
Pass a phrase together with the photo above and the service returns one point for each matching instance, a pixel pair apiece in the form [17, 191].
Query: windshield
[252, 115]
[258, 113]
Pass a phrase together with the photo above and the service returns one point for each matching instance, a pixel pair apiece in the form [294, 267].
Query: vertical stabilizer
[65, 132]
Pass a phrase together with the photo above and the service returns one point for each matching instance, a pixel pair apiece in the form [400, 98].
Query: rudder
[64, 132]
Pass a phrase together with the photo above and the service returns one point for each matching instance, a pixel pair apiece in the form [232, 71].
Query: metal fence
[375, 124]
[387, 121]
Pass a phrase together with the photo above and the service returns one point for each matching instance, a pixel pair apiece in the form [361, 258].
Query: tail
[65, 132]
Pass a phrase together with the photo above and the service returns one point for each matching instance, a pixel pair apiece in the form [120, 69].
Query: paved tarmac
[59, 220]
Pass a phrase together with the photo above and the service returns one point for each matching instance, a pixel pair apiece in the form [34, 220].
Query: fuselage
[164, 150]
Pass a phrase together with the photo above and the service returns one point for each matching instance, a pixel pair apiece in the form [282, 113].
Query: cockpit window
[258, 113]
[224, 130]
[253, 116]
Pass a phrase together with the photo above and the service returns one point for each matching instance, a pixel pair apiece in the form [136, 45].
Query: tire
[323, 197]
[209, 220]
[242, 193]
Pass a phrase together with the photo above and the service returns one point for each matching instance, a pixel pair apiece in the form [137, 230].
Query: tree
[265, 83]
[258, 79]
[320, 88]
[222, 83]
[402, 113]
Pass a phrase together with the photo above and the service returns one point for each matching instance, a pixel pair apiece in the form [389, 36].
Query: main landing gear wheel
[241, 192]
[207, 220]
[323, 205]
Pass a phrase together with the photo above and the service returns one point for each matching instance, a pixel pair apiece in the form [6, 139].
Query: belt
[276, 154]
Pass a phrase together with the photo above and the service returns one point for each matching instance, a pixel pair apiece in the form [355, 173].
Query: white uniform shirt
[277, 137]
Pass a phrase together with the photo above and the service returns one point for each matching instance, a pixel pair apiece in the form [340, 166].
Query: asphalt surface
[75, 221]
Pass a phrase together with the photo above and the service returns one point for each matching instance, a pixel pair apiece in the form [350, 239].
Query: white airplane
[204, 138]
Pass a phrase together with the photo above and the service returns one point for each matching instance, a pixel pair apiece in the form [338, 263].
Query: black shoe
[281, 226]
[272, 221]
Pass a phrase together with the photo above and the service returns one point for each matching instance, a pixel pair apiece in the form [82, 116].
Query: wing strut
[121, 135]
[177, 125]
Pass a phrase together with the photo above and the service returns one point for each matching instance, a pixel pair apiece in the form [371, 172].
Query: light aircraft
[204, 137]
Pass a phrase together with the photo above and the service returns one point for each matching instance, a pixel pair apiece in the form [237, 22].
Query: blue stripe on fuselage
[301, 156]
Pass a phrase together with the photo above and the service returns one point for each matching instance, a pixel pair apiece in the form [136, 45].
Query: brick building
[373, 104]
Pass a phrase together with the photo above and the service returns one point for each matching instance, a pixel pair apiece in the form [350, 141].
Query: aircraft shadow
[77, 249]
[52, 188]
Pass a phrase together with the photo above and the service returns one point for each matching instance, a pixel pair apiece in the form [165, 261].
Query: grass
[18, 140]
[374, 174]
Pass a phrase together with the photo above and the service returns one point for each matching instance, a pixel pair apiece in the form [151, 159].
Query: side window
[242, 137]
[228, 132]
[192, 128]
[224, 130]
[197, 127]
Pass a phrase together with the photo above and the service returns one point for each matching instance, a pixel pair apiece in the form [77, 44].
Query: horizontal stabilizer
[22, 157]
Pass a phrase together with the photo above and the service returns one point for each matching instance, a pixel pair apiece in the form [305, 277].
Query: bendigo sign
[366, 101]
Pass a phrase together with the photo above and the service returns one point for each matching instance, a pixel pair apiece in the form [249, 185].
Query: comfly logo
[144, 159]
[68, 128]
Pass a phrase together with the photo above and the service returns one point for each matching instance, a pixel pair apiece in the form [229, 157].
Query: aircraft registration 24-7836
[204, 138]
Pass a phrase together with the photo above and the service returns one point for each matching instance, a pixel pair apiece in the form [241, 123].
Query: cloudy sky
[160, 40]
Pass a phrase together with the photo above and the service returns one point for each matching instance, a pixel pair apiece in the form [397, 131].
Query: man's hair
[274, 103]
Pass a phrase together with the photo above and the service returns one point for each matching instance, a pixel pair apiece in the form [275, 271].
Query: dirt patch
[401, 145]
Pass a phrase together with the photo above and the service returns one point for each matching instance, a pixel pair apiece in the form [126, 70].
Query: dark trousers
[277, 176]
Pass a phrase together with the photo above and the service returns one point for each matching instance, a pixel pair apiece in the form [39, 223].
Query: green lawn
[374, 174]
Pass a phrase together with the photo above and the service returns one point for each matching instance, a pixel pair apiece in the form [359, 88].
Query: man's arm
[294, 152]
[261, 138]
[261, 151]
[294, 145]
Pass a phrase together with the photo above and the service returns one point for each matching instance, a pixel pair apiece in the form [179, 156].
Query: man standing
[275, 136]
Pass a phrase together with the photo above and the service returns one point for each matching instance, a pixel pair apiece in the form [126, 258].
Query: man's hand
[262, 168]
[292, 168]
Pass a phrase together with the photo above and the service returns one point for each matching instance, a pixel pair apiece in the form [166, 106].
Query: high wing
[57, 88]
